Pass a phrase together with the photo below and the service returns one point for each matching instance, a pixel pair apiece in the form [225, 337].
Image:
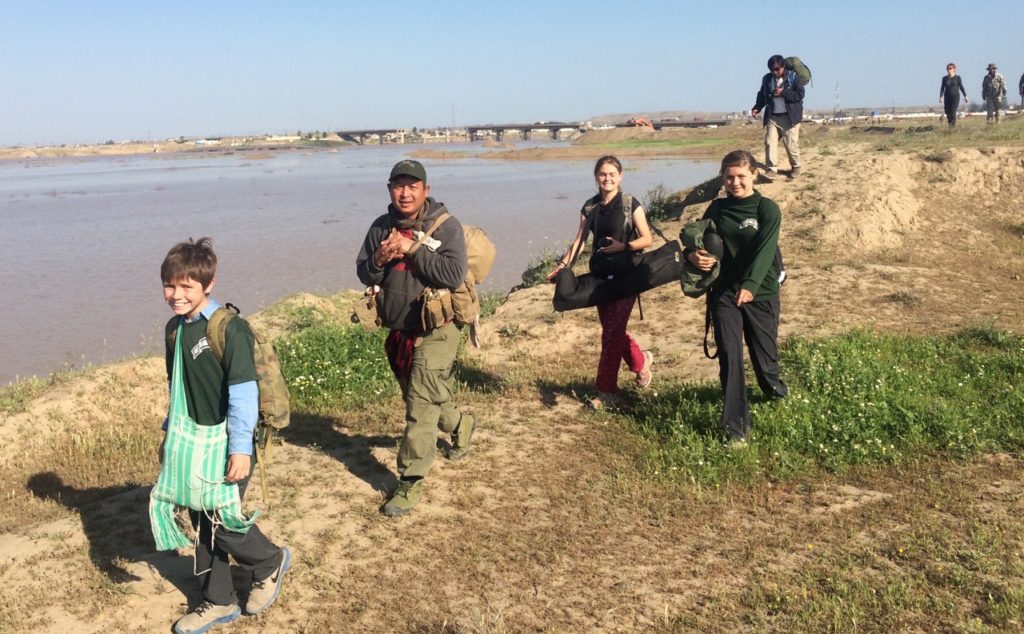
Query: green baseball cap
[408, 168]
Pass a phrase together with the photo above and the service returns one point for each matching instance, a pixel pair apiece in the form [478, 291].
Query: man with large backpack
[993, 91]
[416, 254]
[781, 97]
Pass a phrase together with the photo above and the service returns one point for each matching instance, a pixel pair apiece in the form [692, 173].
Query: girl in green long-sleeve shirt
[744, 302]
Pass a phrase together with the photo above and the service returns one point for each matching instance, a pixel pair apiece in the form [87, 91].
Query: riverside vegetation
[883, 495]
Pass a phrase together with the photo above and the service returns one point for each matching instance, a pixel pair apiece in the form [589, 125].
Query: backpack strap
[171, 331]
[589, 209]
[707, 327]
[429, 232]
[217, 329]
[714, 214]
[627, 217]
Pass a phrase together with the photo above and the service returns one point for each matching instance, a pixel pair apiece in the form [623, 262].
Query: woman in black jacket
[949, 93]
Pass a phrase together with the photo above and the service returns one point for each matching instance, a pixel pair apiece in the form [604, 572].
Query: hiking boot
[603, 401]
[206, 615]
[769, 175]
[461, 438]
[405, 498]
[644, 376]
[264, 592]
[795, 172]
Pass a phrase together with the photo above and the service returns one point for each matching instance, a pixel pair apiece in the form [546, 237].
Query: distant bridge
[524, 130]
[359, 136]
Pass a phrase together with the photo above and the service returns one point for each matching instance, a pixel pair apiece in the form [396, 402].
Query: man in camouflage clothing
[398, 257]
[993, 91]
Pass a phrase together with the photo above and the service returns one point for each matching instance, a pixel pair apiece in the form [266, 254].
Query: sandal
[644, 376]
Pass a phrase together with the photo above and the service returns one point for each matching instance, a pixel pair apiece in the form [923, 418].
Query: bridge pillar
[361, 139]
[525, 133]
[499, 135]
[554, 134]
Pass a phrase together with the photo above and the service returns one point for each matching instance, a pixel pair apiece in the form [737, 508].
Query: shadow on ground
[352, 450]
[115, 522]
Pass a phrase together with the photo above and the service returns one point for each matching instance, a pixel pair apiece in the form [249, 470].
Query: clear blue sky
[90, 71]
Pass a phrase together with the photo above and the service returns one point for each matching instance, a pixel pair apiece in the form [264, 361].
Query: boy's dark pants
[251, 550]
[758, 324]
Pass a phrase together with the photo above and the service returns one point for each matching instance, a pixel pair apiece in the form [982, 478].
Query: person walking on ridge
[950, 89]
[993, 90]
[782, 98]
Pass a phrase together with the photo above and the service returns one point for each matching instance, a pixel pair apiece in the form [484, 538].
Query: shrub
[660, 203]
[539, 266]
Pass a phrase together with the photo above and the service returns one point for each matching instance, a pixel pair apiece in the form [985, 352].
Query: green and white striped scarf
[192, 474]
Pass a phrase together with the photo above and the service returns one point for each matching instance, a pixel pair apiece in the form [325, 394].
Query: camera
[606, 241]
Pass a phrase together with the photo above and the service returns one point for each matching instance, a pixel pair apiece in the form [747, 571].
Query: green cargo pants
[428, 400]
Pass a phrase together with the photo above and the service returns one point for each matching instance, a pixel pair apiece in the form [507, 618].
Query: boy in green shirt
[206, 456]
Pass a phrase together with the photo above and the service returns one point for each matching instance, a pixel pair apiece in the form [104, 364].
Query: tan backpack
[465, 301]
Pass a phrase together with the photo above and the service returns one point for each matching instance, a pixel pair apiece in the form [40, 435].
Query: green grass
[935, 141]
[858, 399]
[539, 266]
[14, 398]
[489, 303]
[331, 366]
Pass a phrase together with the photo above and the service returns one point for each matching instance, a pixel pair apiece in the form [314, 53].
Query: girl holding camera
[620, 235]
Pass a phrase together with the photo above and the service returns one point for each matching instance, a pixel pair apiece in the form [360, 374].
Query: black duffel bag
[652, 269]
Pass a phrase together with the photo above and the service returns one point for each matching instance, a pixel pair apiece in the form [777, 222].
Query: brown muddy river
[83, 238]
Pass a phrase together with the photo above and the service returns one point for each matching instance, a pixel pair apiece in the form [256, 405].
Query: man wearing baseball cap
[993, 91]
[406, 255]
